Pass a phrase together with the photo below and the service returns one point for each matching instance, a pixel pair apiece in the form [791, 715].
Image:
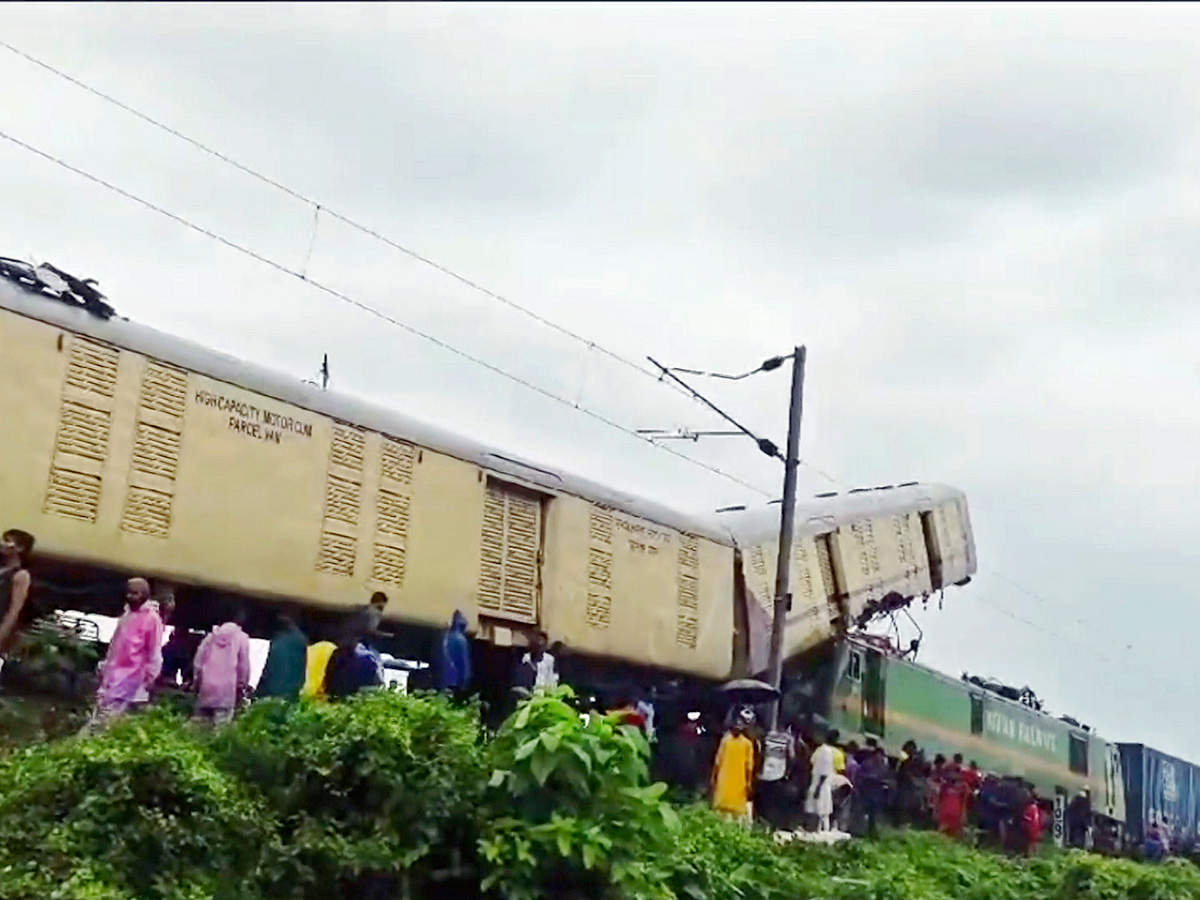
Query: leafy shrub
[379, 787]
[25, 722]
[573, 811]
[334, 801]
[141, 812]
[55, 659]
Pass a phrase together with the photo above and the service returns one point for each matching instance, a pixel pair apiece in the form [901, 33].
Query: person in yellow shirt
[839, 755]
[316, 663]
[733, 770]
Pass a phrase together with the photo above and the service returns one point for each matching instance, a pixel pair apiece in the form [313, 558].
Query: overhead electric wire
[415, 255]
[320, 208]
[346, 298]
[332, 213]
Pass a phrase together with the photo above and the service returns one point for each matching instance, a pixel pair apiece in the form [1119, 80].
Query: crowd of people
[819, 783]
[215, 667]
[801, 777]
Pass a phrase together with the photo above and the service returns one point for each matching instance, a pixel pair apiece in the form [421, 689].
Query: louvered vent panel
[388, 565]
[397, 462]
[157, 444]
[147, 511]
[599, 603]
[83, 431]
[687, 602]
[522, 534]
[758, 562]
[905, 551]
[75, 495]
[759, 572]
[156, 451]
[491, 562]
[802, 576]
[342, 498]
[600, 526]
[598, 612]
[74, 483]
[336, 555]
[347, 448]
[164, 390]
[825, 563]
[510, 546]
[391, 514]
[600, 568]
[868, 554]
[93, 367]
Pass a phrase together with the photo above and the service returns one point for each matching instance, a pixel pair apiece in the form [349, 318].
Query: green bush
[375, 797]
[572, 808]
[379, 787]
[140, 812]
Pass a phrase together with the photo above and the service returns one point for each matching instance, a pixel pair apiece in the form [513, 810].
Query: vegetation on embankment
[388, 796]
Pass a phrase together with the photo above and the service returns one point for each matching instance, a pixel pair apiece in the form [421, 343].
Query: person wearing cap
[733, 770]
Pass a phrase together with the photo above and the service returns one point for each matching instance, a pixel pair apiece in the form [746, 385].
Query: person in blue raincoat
[454, 657]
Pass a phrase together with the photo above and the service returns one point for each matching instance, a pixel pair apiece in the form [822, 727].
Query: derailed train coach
[127, 450]
[854, 556]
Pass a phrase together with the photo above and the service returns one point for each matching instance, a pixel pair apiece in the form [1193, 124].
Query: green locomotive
[867, 692]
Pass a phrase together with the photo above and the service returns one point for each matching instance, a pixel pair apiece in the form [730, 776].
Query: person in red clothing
[972, 782]
[1031, 825]
[971, 774]
[627, 714]
[951, 801]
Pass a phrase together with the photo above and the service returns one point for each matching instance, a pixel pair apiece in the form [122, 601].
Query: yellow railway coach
[128, 450]
[139, 452]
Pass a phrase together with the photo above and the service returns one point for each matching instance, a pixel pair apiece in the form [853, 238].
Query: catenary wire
[331, 213]
[367, 308]
[468, 282]
[361, 228]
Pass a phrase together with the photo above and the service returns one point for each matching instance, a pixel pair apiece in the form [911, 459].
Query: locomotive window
[976, 714]
[854, 666]
[1078, 755]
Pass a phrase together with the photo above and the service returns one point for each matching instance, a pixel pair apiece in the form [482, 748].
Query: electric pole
[787, 518]
[787, 527]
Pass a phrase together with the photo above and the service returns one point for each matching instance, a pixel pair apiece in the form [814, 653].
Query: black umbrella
[749, 691]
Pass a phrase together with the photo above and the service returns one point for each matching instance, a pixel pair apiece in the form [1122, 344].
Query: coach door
[874, 695]
[933, 549]
[510, 553]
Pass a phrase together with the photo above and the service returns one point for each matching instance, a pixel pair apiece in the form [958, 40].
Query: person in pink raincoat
[222, 671]
[134, 658]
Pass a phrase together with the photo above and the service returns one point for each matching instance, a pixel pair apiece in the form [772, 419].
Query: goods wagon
[131, 451]
[865, 692]
[1162, 790]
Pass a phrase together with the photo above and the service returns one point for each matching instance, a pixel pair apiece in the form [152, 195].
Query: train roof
[27, 300]
[825, 512]
[754, 525]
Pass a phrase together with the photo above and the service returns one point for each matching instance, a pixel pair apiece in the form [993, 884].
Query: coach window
[976, 714]
[854, 667]
[1078, 755]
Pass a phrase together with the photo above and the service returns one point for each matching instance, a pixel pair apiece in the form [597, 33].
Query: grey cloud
[980, 219]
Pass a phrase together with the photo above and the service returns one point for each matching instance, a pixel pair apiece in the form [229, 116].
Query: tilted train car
[866, 693]
[130, 451]
[851, 554]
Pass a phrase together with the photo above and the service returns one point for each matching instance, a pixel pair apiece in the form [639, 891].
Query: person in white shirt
[819, 802]
[537, 671]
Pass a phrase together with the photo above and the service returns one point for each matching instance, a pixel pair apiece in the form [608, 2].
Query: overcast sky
[981, 220]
